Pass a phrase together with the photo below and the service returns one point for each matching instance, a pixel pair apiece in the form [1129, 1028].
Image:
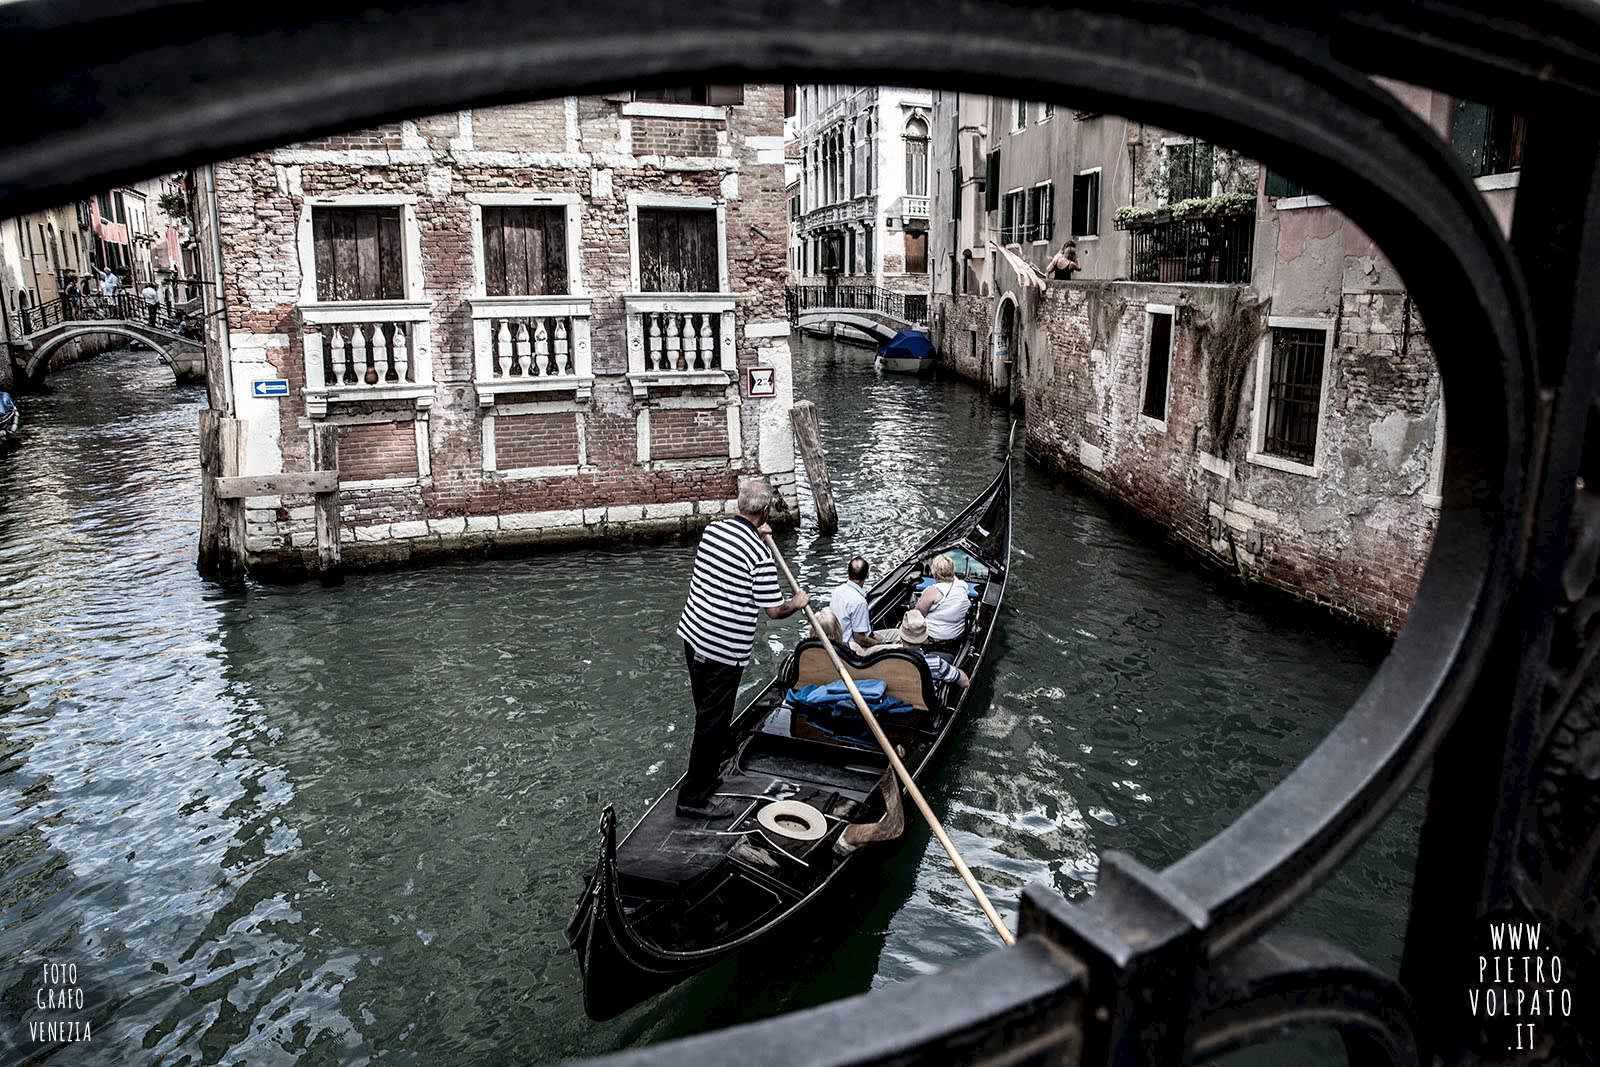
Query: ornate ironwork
[1492, 681]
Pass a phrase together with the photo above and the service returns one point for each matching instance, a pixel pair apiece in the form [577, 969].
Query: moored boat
[907, 352]
[813, 793]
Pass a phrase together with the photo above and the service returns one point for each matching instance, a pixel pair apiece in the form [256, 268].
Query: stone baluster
[330, 375]
[402, 343]
[391, 332]
[674, 359]
[654, 353]
[708, 345]
[541, 348]
[503, 349]
[560, 359]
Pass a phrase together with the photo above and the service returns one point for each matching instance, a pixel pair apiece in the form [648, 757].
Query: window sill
[318, 399]
[1296, 203]
[653, 109]
[528, 474]
[1508, 180]
[489, 392]
[1156, 425]
[1432, 500]
[643, 381]
[380, 483]
[330, 313]
[1278, 463]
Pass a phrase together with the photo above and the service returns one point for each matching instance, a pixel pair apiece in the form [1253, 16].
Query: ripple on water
[352, 822]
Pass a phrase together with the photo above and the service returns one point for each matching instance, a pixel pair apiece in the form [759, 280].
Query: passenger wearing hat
[914, 634]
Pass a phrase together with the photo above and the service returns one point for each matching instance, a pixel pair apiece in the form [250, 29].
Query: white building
[864, 185]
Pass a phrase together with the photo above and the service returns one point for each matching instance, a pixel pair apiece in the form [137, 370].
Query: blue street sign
[269, 387]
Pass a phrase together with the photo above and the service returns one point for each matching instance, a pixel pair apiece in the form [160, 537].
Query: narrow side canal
[351, 823]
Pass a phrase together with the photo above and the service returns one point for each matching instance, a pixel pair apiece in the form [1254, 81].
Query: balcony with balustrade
[366, 350]
[531, 344]
[914, 208]
[678, 339]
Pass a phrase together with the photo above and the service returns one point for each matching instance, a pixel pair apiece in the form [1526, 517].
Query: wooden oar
[894, 760]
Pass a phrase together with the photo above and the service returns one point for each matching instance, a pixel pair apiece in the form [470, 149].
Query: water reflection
[353, 822]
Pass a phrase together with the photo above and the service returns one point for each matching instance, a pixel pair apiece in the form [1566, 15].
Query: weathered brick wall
[437, 163]
[964, 342]
[376, 451]
[1354, 537]
[688, 434]
[536, 440]
[675, 137]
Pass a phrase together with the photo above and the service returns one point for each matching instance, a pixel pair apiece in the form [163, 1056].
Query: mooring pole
[325, 457]
[808, 437]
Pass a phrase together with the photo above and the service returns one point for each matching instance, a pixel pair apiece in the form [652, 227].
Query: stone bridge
[47, 327]
[880, 312]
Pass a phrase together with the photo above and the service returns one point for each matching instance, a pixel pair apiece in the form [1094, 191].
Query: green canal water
[350, 824]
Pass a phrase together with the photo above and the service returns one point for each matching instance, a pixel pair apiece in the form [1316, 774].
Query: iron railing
[907, 307]
[124, 307]
[1488, 687]
[1209, 250]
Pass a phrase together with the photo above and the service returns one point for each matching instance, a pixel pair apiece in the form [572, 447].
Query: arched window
[916, 157]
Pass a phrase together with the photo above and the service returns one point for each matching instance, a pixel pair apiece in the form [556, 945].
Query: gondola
[813, 793]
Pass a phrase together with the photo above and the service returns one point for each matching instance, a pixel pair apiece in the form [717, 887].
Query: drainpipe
[216, 280]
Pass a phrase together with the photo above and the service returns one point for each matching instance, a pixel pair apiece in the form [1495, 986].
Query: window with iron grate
[1294, 394]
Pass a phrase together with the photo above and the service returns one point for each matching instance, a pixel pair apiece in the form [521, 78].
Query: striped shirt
[734, 578]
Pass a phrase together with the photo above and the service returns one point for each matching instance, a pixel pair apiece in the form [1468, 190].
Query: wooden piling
[325, 457]
[808, 437]
[221, 515]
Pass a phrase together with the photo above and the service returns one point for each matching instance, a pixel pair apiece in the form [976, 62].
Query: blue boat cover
[908, 344]
[928, 583]
[830, 709]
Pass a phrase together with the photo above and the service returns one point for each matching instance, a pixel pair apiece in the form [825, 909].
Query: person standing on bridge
[151, 300]
[108, 284]
[734, 577]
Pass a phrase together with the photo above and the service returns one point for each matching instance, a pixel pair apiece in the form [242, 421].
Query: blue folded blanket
[926, 583]
[830, 708]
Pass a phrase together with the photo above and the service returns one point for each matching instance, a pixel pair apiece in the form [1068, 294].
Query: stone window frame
[1434, 497]
[637, 200]
[415, 308]
[1019, 115]
[1099, 202]
[1258, 424]
[1150, 311]
[580, 417]
[571, 203]
[410, 243]
[576, 302]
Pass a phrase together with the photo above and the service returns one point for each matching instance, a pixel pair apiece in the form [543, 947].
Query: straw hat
[913, 628]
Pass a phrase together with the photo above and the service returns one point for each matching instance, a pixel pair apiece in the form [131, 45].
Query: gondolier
[734, 577]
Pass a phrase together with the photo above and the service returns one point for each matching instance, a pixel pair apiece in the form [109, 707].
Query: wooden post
[210, 468]
[325, 457]
[230, 512]
[808, 436]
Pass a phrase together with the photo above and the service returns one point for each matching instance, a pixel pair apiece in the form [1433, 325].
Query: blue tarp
[908, 344]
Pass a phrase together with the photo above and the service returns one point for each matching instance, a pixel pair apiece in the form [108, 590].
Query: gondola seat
[903, 672]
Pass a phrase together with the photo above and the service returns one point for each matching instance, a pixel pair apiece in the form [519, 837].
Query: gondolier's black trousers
[715, 687]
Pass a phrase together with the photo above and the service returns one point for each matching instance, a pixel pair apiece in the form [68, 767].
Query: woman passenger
[945, 605]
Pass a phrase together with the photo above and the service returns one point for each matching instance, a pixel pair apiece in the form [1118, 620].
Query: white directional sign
[269, 387]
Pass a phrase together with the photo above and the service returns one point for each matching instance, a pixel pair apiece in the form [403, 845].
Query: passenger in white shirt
[849, 602]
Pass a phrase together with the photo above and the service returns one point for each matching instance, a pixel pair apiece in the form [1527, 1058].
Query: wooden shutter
[955, 192]
[726, 95]
[991, 182]
[524, 251]
[1278, 185]
[916, 253]
[678, 250]
[357, 253]
[1469, 132]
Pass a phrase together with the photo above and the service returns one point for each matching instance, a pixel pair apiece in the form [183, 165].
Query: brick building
[1248, 371]
[530, 323]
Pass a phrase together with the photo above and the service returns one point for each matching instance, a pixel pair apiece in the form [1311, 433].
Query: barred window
[1294, 394]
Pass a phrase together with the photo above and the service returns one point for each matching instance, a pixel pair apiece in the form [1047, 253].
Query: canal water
[350, 824]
